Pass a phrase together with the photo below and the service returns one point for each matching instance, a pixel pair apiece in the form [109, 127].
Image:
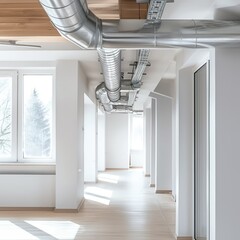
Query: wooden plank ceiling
[27, 18]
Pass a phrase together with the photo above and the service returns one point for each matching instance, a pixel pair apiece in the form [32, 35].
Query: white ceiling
[162, 60]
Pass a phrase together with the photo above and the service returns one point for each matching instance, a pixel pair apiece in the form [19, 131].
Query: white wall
[167, 87]
[224, 156]
[153, 143]
[188, 61]
[90, 160]
[117, 147]
[147, 140]
[20, 190]
[101, 141]
[163, 171]
[70, 86]
[184, 143]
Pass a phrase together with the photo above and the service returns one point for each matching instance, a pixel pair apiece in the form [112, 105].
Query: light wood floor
[120, 207]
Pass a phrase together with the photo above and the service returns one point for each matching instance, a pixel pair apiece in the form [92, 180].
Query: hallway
[120, 206]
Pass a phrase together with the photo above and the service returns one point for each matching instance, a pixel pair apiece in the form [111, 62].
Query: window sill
[28, 168]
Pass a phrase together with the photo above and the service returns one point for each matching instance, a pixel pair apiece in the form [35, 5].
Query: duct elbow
[73, 21]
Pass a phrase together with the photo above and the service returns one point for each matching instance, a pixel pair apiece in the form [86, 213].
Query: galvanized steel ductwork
[75, 22]
[111, 66]
[101, 94]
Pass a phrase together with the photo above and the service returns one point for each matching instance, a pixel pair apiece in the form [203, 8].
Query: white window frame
[17, 115]
[20, 154]
[13, 74]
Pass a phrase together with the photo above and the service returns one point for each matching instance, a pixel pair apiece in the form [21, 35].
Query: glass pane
[5, 117]
[37, 130]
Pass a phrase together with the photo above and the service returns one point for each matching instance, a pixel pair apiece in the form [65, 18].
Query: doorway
[136, 140]
[201, 153]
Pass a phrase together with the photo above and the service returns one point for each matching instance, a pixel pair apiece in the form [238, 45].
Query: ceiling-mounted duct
[73, 20]
[101, 94]
[111, 66]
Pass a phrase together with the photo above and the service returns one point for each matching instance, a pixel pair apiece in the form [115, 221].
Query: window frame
[18, 114]
[20, 154]
[14, 75]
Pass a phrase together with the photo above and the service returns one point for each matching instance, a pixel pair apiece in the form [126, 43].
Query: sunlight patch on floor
[97, 194]
[109, 178]
[97, 199]
[57, 229]
[9, 231]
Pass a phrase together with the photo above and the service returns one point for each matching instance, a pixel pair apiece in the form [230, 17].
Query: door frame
[207, 63]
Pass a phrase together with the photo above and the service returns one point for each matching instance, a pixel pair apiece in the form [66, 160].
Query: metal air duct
[101, 94]
[111, 66]
[76, 23]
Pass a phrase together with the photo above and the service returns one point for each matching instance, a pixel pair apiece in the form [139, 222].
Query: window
[8, 113]
[26, 116]
[137, 132]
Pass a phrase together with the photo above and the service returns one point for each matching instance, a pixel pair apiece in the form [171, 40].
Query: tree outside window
[5, 116]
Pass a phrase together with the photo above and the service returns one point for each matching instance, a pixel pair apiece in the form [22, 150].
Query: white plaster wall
[117, 147]
[82, 83]
[20, 190]
[174, 136]
[153, 143]
[90, 161]
[101, 141]
[167, 87]
[184, 161]
[163, 144]
[227, 127]
[69, 134]
[147, 140]
[188, 61]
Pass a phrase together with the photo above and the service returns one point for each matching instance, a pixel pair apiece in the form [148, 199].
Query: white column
[153, 143]
[184, 153]
[90, 140]
[163, 149]
[101, 141]
[147, 146]
[224, 144]
[69, 135]
[174, 136]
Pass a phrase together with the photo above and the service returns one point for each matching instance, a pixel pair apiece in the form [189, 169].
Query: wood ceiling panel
[105, 9]
[27, 18]
[17, 5]
[129, 9]
[24, 18]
